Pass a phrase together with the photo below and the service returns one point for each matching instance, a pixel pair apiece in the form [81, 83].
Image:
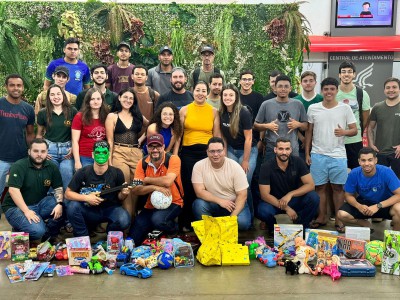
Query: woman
[166, 122]
[54, 124]
[88, 127]
[236, 129]
[200, 122]
[123, 129]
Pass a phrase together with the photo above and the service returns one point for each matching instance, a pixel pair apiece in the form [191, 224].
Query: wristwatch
[379, 205]
[60, 203]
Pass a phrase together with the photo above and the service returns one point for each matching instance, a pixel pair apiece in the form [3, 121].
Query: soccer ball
[374, 252]
[160, 201]
[165, 260]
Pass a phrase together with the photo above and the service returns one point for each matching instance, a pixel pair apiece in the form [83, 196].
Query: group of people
[213, 148]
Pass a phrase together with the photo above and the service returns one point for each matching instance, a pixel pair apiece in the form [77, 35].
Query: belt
[126, 145]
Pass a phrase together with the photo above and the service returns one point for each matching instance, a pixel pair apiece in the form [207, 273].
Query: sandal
[340, 228]
[263, 225]
[316, 225]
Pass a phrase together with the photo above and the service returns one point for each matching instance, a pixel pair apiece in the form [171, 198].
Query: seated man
[378, 190]
[90, 210]
[27, 205]
[221, 186]
[286, 186]
[159, 171]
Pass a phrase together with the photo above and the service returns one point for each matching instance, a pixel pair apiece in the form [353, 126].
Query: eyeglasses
[219, 151]
[152, 147]
[247, 79]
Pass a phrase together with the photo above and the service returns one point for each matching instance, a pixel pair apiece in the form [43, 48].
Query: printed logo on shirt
[98, 133]
[352, 102]
[283, 116]
[47, 182]
[123, 79]
[67, 123]
[226, 124]
[78, 75]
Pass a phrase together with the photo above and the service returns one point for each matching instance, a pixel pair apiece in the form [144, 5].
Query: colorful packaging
[284, 235]
[13, 274]
[36, 270]
[5, 249]
[326, 248]
[79, 249]
[19, 246]
[115, 242]
[351, 248]
[391, 258]
[312, 236]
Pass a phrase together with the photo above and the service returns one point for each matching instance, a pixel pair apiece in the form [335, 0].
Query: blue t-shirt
[79, 74]
[167, 135]
[373, 189]
[13, 121]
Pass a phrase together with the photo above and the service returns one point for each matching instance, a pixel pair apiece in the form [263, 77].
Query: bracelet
[60, 203]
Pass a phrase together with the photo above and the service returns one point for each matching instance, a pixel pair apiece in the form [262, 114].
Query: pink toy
[332, 271]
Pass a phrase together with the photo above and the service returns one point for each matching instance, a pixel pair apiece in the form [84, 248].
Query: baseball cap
[62, 69]
[165, 48]
[207, 48]
[155, 139]
[124, 44]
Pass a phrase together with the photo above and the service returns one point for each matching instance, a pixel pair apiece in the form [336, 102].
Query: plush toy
[301, 258]
[291, 267]
[267, 256]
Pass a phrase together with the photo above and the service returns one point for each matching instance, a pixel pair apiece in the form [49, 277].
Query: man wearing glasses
[221, 186]
[78, 71]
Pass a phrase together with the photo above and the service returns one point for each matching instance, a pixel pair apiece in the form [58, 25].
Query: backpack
[196, 75]
[360, 98]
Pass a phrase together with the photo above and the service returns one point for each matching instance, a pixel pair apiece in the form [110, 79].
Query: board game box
[350, 248]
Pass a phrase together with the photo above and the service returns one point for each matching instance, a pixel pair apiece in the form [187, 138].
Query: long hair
[237, 107]
[134, 109]
[66, 106]
[176, 125]
[87, 115]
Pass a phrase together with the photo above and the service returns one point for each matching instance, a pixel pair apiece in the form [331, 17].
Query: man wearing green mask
[86, 211]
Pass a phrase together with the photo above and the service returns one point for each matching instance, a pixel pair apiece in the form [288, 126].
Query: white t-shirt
[223, 182]
[325, 121]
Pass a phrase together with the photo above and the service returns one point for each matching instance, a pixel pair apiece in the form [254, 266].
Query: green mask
[101, 155]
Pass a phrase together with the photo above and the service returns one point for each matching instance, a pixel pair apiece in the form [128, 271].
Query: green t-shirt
[203, 76]
[32, 182]
[306, 103]
[110, 97]
[215, 104]
[59, 131]
[351, 99]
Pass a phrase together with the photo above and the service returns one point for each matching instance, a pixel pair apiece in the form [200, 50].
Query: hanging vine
[223, 36]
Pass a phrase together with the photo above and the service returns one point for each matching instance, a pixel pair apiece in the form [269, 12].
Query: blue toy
[268, 257]
[165, 260]
[136, 270]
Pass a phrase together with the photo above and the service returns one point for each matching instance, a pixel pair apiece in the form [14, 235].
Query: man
[371, 191]
[146, 97]
[60, 77]
[207, 68]
[99, 76]
[359, 102]
[178, 94]
[27, 206]
[327, 123]
[272, 79]
[286, 186]
[78, 70]
[281, 117]
[366, 13]
[159, 77]
[159, 171]
[17, 120]
[215, 85]
[385, 117]
[221, 186]
[86, 211]
[119, 74]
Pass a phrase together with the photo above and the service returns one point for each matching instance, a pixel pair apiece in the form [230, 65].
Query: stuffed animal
[292, 267]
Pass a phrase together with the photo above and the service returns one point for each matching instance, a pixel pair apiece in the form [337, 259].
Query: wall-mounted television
[365, 18]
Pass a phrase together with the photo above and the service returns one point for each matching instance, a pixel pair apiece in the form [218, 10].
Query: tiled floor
[240, 282]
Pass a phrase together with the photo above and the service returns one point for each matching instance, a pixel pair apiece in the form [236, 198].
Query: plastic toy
[374, 252]
[332, 270]
[303, 255]
[45, 251]
[19, 246]
[115, 241]
[49, 272]
[159, 200]
[165, 260]
[356, 268]
[79, 270]
[135, 270]
[183, 254]
[5, 251]
[129, 243]
[291, 267]
[122, 258]
[95, 266]
[35, 271]
[151, 262]
[32, 253]
[141, 251]
[64, 271]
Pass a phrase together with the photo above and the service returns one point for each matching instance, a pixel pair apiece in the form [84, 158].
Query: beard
[181, 87]
[283, 158]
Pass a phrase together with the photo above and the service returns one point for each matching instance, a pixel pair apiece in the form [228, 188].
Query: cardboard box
[358, 233]
[351, 248]
[312, 236]
[391, 257]
[5, 244]
[284, 235]
[79, 249]
[19, 246]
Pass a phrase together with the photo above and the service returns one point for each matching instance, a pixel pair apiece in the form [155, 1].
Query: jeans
[4, 168]
[202, 207]
[305, 206]
[237, 155]
[85, 161]
[66, 166]
[36, 231]
[150, 219]
[82, 216]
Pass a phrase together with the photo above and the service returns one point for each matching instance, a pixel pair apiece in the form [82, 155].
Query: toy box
[79, 250]
[115, 242]
[350, 248]
[183, 254]
[19, 246]
[356, 268]
[326, 247]
[284, 235]
[5, 250]
[14, 274]
[390, 260]
[358, 233]
[235, 255]
[312, 236]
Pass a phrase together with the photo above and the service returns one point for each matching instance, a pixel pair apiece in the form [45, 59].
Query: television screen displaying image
[364, 14]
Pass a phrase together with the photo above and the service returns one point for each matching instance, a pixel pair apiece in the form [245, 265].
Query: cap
[124, 44]
[62, 69]
[207, 48]
[165, 48]
[155, 139]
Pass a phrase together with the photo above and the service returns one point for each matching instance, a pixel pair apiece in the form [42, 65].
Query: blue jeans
[202, 207]
[82, 217]
[66, 166]
[151, 219]
[36, 231]
[305, 206]
[85, 161]
[237, 155]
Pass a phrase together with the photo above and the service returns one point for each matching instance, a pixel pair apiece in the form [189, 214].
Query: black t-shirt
[254, 101]
[282, 182]
[273, 95]
[178, 99]
[245, 123]
[86, 177]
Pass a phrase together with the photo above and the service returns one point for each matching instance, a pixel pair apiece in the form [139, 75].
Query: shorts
[352, 154]
[326, 169]
[382, 213]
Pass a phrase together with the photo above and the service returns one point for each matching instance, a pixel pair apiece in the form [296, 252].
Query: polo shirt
[33, 183]
[111, 99]
[282, 182]
[159, 80]
[59, 131]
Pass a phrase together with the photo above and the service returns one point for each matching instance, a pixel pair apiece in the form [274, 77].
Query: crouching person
[87, 210]
[221, 186]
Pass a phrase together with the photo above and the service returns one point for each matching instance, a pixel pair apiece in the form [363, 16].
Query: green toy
[95, 265]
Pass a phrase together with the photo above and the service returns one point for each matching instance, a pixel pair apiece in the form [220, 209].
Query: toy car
[122, 258]
[136, 270]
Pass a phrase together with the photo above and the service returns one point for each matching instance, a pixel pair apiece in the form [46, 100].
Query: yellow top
[199, 123]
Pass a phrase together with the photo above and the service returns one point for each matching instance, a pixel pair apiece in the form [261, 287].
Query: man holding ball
[161, 176]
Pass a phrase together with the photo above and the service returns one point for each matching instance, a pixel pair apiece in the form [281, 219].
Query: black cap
[62, 69]
[124, 44]
[207, 48]
[165, 48]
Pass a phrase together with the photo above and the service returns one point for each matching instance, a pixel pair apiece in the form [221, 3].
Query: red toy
[61, 252]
